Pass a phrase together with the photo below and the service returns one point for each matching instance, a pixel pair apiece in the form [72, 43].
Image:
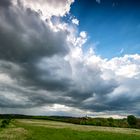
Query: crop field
[27, 129]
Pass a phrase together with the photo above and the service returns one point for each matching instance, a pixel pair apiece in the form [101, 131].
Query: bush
[5, 123]
[138, 123]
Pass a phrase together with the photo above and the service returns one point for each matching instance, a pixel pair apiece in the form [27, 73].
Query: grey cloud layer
[34, 70]
[5, 3]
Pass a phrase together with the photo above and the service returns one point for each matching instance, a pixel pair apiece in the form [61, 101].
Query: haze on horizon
[66, 57]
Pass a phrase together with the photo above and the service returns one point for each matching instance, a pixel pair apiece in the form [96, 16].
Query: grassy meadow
[28, 129]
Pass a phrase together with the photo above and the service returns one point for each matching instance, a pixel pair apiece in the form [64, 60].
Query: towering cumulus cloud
[43, 68]
[48, 8]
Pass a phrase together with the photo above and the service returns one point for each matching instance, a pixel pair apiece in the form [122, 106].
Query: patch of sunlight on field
[55, 124]
[13, 134]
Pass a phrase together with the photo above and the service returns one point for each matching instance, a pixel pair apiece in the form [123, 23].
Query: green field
[25, 129]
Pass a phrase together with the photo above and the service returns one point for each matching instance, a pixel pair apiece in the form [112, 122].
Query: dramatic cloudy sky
[66, 57]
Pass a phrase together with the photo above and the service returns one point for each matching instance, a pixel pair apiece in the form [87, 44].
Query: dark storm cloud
[126, 102]
[56, 88]
[27, 37]
[5, 3]
[87, 88]
[103, 104]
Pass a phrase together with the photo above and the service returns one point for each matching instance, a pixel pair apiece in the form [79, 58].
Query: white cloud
[75, 21]
[126, 66]
[77, 40]
[48, 8]
[83, 34]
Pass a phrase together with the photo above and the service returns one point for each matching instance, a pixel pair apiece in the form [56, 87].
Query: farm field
[28, 129]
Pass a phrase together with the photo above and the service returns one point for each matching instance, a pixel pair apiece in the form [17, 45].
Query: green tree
[111, 121]
[132, 120]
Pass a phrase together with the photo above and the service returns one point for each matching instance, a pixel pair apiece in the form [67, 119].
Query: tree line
[130, 122]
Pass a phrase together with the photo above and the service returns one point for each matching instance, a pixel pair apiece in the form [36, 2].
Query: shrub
[5, 123]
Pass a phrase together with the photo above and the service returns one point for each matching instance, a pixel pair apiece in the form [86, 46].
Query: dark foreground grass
[24, 131]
